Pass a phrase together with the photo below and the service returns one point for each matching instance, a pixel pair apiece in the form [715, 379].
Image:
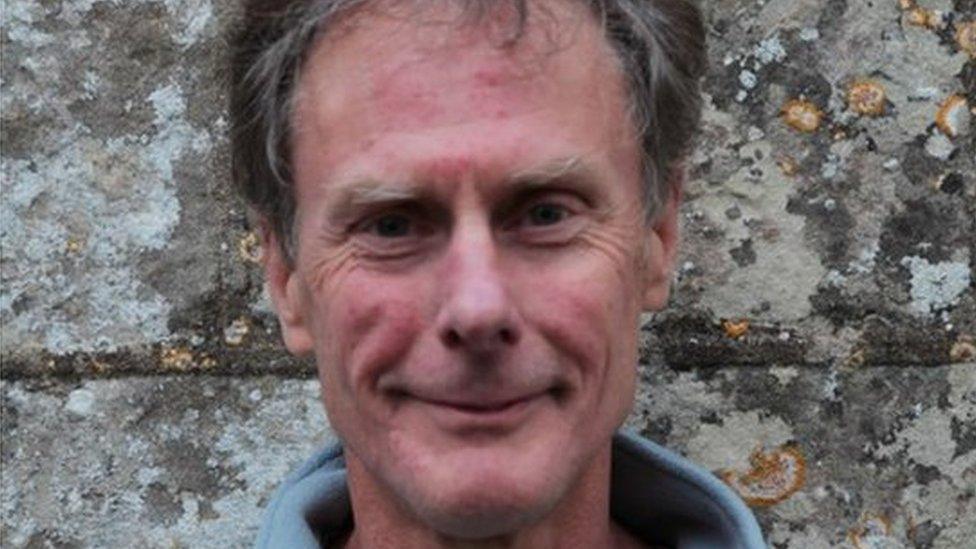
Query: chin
[481, 491]
[487, 505]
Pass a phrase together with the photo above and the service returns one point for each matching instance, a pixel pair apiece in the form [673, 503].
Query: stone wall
[818, 352]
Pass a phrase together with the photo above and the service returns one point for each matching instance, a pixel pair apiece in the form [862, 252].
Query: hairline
[355, 10]
[658, 47]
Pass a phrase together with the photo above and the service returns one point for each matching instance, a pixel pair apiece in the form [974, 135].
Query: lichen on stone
[936, 286]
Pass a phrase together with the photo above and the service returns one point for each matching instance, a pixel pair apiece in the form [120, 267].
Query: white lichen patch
[809, 537]
[262, 305]
[195, 16]
[729, 445]
[874, 532]
[939, 146]
[18, 20]
[786, 270]
[770, 50]
[948, 504]
[918, 69]
[748, 79]
[784, 374]
[928, 440]
[936, 286]
[80, 403]
[680, 403]
[962, 393]
[296, 411]
[953, 118]
[866, 259]
[809, 34]
[118, 197]
[236, 331]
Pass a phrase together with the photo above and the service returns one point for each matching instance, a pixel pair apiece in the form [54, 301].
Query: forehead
[384, 76]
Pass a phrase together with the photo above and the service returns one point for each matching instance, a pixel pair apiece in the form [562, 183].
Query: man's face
[472, 257]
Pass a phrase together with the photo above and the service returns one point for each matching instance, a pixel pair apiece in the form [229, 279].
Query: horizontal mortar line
[73, 375]
[309, 372]
[687, 343]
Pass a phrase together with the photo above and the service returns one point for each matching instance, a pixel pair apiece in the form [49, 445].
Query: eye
[546, 214]
[390, 226]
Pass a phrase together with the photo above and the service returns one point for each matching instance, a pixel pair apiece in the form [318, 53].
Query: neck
[580, 519]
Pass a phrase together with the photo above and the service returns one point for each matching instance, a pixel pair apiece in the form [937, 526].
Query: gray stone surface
[823, 322]
[122, 245]
[189, 461]
[150, 461]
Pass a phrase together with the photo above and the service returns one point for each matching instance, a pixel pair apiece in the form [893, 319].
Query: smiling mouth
[488, 413]
[483, 407]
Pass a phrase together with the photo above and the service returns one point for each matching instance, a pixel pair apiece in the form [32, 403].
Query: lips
[475, 413]
[475, 406]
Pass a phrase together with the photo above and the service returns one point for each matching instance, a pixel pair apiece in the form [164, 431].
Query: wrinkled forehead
[378, 50]
[531, 29]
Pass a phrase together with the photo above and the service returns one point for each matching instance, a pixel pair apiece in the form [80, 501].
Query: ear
[287, 294]
[661, 247]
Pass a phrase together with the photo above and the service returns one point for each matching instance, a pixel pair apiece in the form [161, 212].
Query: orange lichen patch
[802, 115]
[73, 245]
[917, 16]
[249, 248]
[98, 367]
[952, 118]
[871, 531]
[921, 17]
[235, 333]
[176, 358]
[735, 328]
[867, 98]
[788, 165]
[772, 476]
[963, 350]
[966, 37]
[855, 359]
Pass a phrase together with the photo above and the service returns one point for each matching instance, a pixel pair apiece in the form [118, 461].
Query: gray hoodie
[657, 495]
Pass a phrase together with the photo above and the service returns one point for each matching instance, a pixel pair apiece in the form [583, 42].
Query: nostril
[452, 339]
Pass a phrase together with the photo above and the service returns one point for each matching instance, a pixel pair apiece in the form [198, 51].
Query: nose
[478, 315]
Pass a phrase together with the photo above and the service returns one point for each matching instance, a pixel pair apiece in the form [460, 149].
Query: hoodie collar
[657, 495]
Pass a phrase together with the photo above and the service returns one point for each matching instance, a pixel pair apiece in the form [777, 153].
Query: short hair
[660, 45]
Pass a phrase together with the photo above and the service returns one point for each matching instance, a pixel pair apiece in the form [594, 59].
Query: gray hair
[660, 45]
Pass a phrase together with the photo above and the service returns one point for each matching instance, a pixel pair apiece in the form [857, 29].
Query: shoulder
[664, 498]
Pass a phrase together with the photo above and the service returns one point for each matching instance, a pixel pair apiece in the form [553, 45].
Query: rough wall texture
[818, 352]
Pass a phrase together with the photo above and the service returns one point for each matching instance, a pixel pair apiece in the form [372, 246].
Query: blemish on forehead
[487, 78]
[449, 168]
[404, 99]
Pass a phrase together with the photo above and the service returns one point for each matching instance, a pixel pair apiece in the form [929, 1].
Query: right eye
[546, 213]
[393, 233]
[390, 226]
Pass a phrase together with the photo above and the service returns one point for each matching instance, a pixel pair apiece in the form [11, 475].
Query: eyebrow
[571, 167]
[570, 173]
[367, 192]
[358, 193]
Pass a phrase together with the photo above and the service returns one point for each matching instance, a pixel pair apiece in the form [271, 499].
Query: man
[466, 206]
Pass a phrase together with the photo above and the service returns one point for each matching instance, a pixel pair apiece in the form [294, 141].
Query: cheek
[585, 308]
[370, 323]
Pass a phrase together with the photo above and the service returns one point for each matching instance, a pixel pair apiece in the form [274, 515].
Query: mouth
[491, 414]
[482, 407]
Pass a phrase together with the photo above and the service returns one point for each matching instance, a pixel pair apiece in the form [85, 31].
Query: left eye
[547, 214]
[391, 226]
